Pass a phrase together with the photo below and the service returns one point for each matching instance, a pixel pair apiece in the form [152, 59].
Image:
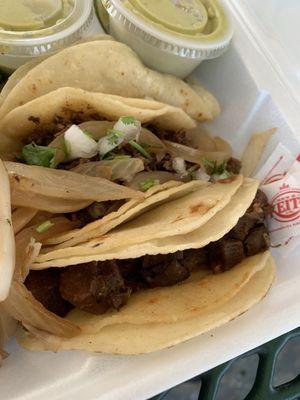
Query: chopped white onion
[79, 144]
[124, 130]
[131, 128]
[110, 141]
[178, 165]
[201, 175]
[217, 177]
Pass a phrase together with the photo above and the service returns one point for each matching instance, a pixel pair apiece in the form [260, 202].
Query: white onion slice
[7, 242]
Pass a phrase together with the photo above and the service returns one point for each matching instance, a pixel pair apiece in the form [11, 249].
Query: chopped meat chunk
[97, 286]
[129, 270]
[151, 261]
[94, 287]
[257, 241]
[242, 228]
[194, 259]
[255, 215]
[225, 253]
[260, 207]
[179, 136]
[129, 267]
[40, 138]
[95, 211]
[165, 274]
[44, 285]
[233, 165]
[162, 164]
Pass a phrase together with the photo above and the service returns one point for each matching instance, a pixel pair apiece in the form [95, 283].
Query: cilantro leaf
[43, 156]
[140, 149]
[127, 120]
[87, 133]
[212, 167]
[148, 183]
[44, 226]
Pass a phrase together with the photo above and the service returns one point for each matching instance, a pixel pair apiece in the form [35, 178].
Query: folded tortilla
[57, 109]
[24, 69]
[181, 311]
[107, 66]
[154, 197]
[180, 217]
[132, 335]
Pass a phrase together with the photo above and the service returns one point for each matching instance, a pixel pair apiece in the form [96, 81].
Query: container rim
[116, 9]
[75, 21]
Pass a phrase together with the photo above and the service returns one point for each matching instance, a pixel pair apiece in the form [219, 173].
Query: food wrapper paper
[280, 177]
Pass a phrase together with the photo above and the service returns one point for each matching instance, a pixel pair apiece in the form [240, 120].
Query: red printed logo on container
[273, 178]
[286, 204]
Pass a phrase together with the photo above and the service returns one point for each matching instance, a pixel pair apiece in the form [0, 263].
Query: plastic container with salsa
[31, 28]
[171, 36]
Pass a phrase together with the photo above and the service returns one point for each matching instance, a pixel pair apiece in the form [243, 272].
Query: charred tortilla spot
[228, 180]
[34, 87]
[35, 120]
[194, 309]
[153, 301]
[199, 208]
[186, 105]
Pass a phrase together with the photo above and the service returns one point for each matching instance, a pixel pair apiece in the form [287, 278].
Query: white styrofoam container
[251, 90]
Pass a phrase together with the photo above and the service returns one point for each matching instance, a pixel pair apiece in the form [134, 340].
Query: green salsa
[192, 19]
[28, 15]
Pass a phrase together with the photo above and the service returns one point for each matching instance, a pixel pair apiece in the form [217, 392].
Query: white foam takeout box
[256, 83]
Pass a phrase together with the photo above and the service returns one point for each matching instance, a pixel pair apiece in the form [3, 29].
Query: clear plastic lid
[163, 39]
[40, 41]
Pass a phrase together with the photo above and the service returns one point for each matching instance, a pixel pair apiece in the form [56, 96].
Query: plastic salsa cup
[172, 36]
[48, 29]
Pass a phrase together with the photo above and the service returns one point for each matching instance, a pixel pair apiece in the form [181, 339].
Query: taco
[106, 66]
[179, 281]
[132, 338]
[24, 69]
[65, 167]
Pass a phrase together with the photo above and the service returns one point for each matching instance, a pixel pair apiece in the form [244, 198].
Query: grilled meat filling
[98, 286]
[95, 211]
[94, 287]
[44, 285]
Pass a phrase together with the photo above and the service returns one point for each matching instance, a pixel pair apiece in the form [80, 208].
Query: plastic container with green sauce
[31, 28]
[172, 36]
